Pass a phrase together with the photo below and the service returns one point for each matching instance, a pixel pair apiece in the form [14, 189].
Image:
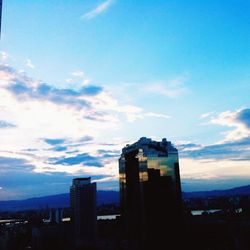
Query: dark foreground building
[150, 194]
[84, 213]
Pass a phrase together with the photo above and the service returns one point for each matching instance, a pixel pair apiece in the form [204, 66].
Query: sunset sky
[80, 79]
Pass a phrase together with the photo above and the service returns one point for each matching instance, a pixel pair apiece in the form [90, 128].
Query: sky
[80, 79]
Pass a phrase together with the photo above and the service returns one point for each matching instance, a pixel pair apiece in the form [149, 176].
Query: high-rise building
[84, 215]
[150, 192]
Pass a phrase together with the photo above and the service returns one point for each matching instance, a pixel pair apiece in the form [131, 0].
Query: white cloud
[29, 64]
[69, 80]
[171, 88]
[4, 56]
[98, 10]
[210, 169]
[206, 115]
[105, 101]
[86, 81]
[41, 111]
[225, 159]
[134, 114]
[77, 73]
[232, 119]
[157, 115]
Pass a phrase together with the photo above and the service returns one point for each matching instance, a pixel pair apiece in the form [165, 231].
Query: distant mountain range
[243, 190]
[103, 197]
[55, 201]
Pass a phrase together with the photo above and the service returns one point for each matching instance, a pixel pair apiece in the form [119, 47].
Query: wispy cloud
[228, 158]
[3, 56]
[213, 170]
[236, 144]
[134, 115]
[171, 88]
[85, 158]
[238, 120]
[54, 141]
[206, 115]
[97, 10]
[29, 64]
[237, 150]
[78, 73]
[54, 130]
[5, 124]
[157, 115]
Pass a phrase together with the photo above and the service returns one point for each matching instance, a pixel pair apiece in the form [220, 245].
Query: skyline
[80, 80]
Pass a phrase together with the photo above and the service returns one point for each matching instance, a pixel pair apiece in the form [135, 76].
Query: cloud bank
[226, 160]
[54, 130]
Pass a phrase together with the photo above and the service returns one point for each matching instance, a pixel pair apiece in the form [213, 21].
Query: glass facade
[149, 187]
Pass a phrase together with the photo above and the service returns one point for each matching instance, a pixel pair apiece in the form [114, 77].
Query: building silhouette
[150, 193]
[56, 215]
[84, 213]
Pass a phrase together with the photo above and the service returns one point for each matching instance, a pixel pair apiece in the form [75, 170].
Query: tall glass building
[83, 211]
[150, 191]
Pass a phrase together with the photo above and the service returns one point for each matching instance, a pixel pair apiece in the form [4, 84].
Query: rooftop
[147, 144]
[82, 181]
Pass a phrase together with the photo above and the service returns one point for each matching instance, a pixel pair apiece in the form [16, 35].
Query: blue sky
[80, 79]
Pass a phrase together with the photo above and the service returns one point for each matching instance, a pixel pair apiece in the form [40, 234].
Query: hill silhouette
[55, 201]
[104, 197]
